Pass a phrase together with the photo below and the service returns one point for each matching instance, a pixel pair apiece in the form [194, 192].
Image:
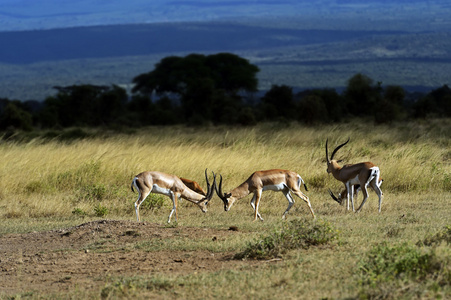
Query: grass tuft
[403, 271]
[443, 236]
[296, 234]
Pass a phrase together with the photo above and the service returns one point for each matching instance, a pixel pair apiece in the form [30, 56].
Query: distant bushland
[218, 89]
[25, 47]
[300, 53]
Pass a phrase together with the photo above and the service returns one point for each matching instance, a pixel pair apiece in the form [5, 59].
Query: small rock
[233, 228]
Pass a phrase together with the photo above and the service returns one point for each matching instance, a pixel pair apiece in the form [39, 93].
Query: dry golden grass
[49, 179]
[47, 185]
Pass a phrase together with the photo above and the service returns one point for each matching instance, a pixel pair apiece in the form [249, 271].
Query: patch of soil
[66, 259]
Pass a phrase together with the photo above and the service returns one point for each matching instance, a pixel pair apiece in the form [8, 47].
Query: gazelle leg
[258, 196]
[306, 199]
[349, 194]
[356, 192]
[365, 196]
[141, 198]
[378, 191]
[174, 207]
[352, 197]
[290, 199]
[253, 206]
[380, 195]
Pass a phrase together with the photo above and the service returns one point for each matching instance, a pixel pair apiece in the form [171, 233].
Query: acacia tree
[391, 105]
[13, 115]
[196, 80]
[83, 105]
[278, 103]
[436, 103]
[361, 94]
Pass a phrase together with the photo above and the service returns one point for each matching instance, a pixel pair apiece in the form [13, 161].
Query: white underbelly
[275, 187]
[354, 180]
[159, 190]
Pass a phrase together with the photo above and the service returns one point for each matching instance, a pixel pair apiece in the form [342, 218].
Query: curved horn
[219, 191]
[327, 154]
[212, 190]
[333, 196]
[338, 148]
[209, 193]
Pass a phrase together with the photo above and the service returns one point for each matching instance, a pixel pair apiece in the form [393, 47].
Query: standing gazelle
[171, 186]
[362, 174]
[270, 180]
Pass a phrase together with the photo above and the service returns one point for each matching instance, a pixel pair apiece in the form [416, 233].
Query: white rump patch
[374, 174]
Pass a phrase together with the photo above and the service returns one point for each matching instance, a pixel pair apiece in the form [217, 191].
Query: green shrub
[297, 234]
[386, 263]
[403, 271]
[442, 236]
[36, 187]
[93, 192]
[100, 211]
[154, 201]
[79, 212]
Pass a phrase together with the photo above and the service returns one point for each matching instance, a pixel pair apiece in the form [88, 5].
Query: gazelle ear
[228, 195]
[339, 161]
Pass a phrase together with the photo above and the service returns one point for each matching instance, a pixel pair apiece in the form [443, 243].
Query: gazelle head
[204, 202]
[226, 198]
[331, 163]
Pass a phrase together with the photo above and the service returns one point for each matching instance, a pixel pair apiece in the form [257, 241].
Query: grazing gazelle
[270, 180]
[363, 174]
[344, 192]
[171, 186]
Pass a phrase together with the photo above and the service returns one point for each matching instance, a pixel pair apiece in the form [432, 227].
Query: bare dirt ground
[61, 260]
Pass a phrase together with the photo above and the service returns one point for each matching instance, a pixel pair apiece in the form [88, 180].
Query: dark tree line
[217, 89]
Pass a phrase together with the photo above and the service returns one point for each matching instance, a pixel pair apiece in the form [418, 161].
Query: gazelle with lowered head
[343, 194]
[270, 180]
[171, 186]
[363, 174]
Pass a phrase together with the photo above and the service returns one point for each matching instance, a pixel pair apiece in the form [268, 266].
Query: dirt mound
[79, 256]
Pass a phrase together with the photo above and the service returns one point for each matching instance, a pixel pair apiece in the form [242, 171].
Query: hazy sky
[44, 14]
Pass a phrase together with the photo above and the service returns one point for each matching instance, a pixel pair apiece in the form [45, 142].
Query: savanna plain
[68, 228]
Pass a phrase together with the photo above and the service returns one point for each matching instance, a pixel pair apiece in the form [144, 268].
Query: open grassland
[52, 185]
